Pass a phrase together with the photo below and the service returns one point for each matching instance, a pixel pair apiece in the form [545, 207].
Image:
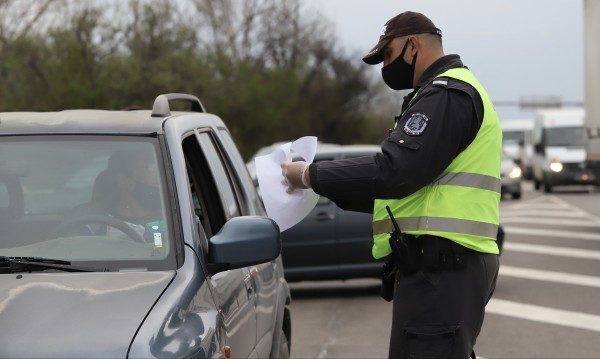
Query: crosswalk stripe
[552, 221]
[552, 233]
[540, 213]
[552, 250]
[550, 276]
[549, 206]
[544, 314]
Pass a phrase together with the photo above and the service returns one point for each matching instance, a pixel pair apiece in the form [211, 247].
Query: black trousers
[439, 314]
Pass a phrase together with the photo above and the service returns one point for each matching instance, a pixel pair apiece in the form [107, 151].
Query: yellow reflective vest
[462, 204]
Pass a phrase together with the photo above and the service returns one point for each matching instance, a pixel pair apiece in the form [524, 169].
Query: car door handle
[324, 216]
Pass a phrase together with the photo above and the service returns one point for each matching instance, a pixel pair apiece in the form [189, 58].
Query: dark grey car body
[219, 288]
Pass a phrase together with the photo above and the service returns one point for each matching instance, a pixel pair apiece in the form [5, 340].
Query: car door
[312, 242]
[261, 280]
[355, 234]
[215, 202]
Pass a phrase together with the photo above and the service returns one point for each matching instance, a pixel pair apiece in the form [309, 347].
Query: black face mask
[398, 75]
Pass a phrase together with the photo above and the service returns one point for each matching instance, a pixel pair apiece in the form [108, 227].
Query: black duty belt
[431, 253]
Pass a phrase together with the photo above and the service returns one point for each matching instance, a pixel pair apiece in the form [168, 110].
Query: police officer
[439, 173]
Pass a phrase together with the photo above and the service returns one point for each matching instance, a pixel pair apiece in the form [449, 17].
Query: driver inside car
[129, 191]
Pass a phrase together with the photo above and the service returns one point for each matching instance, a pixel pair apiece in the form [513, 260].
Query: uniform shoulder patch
[416, 124]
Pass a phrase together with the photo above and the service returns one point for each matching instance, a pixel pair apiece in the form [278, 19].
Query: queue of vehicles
[549, 148]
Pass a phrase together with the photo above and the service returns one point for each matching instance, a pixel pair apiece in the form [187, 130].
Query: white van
[559, 155]
[518, 144]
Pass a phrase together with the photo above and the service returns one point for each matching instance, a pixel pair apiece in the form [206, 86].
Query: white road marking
[552, 233]
[552, 221]
[532, 203]
[552, 250]
[562, 202]
[550, 276]
[545, 212]
[548, 205]
[544, 314]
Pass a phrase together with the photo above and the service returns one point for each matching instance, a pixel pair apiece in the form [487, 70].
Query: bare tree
[272, 33]
[20, 16]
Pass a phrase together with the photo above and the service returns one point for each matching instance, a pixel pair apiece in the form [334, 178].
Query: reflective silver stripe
[438, 224]
[469, 180]
[440, 82]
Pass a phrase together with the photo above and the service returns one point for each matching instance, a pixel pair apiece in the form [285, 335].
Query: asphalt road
[546, 304]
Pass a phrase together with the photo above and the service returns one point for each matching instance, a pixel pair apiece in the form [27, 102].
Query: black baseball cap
[406, 23]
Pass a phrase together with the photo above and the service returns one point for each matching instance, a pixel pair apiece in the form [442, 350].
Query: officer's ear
[414, 44]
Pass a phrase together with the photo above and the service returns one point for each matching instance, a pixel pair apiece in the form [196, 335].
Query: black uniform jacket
[434, 127]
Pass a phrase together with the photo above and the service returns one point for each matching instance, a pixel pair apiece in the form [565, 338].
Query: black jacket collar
[440, 65]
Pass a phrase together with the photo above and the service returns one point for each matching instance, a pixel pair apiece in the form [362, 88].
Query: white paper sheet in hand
[286, 209]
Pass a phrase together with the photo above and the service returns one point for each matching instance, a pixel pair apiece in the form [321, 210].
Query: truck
[591, 10]
[558, 151]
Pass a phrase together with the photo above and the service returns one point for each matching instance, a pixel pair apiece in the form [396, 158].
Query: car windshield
[564, 136]
[85, 199]
[513, 137]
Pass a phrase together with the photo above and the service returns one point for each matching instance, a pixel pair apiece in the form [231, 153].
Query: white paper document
[286, 209]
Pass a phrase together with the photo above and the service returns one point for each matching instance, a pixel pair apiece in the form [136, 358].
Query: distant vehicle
[517, 142]
[559, 154]
[189, 267]
[511, 176]
[331, 243]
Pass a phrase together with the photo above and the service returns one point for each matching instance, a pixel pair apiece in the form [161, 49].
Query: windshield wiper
[29, 264]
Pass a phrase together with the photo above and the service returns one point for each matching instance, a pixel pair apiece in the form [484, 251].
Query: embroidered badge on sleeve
[416, 124]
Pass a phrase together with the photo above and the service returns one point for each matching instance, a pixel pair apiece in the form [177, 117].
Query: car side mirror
[245, 241]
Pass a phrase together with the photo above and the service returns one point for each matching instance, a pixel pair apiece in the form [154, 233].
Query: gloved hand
[295, 175]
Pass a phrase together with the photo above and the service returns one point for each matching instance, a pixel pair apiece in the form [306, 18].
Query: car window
[85, 198]
[222, 173]
[564, 136]
[248, 195]
[212, 190]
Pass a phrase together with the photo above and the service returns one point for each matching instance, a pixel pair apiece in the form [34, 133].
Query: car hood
[75, 314]
[566, 154]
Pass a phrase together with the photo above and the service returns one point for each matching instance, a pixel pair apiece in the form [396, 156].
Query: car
[135, 234]
[511, 177]
[517, 141]
[331, 243]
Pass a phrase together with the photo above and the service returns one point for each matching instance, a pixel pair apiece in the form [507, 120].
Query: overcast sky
[515, 47]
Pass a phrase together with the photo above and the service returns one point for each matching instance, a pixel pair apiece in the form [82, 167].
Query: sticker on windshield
[416, 124]
[158, 240]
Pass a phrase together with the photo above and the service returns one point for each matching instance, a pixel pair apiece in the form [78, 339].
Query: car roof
[80, 121]
[341, 149]
[88, 121]
[325, 148]
[517, 124]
